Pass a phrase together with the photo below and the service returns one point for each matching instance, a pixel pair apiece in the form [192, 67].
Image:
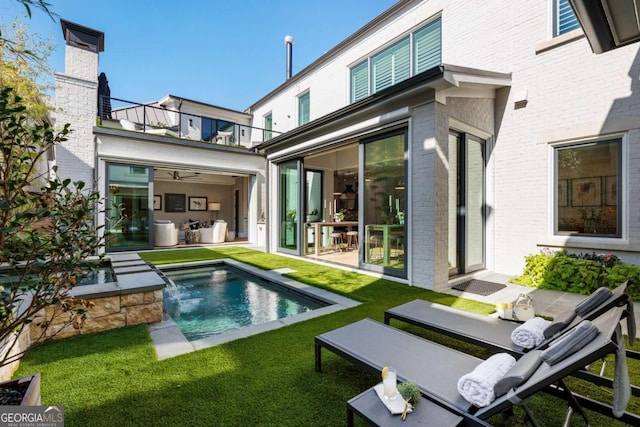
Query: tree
[47, 230]
[28, 4]
[25, 73]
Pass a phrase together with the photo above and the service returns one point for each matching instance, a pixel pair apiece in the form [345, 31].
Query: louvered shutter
[391, 66]
[428, 47]
[360, 81]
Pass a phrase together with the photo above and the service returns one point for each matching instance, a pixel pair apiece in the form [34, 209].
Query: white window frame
[410, 35]
[299, 98]
[264, 123]
[554, 17]
[583, 240]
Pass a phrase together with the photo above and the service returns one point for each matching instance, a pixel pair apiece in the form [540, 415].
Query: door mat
[479, 287]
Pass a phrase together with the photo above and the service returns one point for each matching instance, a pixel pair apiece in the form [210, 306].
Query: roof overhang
[438, 83]
[608, 24]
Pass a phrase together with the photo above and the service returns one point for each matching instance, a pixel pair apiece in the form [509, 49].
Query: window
[427, 47]
[211, 127]
[303, 109]
[360, 81]
[391, 66]
[268, 127]
[587, 189]
[421, 48]
[564, 18]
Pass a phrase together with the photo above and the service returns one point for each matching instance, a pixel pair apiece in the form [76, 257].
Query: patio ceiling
[608, 24]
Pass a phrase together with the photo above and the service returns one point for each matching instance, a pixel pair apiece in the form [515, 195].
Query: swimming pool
[210, 300]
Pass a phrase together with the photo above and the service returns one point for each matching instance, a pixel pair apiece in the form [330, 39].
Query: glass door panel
[475, 204]
[313, 206]
[384, 203]
[466, 203]
[454, 202]
[288, 206]
[128, 189]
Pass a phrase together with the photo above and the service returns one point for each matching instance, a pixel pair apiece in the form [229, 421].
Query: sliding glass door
[289, 206]
[128, 199]
[384, 202]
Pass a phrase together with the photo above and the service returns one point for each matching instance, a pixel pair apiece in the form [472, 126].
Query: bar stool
[375, 245]
[352, 239]
[336, 241]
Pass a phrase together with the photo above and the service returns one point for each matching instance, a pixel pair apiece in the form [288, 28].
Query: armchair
[165, 233]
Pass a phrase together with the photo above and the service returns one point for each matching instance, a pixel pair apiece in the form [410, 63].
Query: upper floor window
[587, 187]
[418, 52]
[564, 18]
[268, 127]
[303, 108]
[211, 127]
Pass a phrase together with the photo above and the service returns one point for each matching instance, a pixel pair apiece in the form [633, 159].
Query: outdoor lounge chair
[495, 334]
[435, 369]
[484, 331]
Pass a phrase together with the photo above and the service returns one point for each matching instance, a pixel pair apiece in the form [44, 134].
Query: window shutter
[391, 66]
[303, 109]
[567, 20]
[428, 47]
[268, 127]
[359, 81]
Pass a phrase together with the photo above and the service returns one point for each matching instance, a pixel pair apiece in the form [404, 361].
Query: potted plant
[339, 216]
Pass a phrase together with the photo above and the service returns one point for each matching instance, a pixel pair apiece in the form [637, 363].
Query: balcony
[156, 119]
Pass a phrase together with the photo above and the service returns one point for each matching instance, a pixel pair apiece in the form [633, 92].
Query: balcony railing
[158, 120]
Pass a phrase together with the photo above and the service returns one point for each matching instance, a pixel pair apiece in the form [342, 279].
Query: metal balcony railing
[154, 119]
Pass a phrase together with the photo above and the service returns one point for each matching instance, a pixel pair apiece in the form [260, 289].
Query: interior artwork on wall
[175, 202]
[563, 195]
[611, 190]
[586, 191]
[157, 203]
[197, 203]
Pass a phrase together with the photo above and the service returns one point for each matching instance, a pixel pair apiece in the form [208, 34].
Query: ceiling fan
[176, 175]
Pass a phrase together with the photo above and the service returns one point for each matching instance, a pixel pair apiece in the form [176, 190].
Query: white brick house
[456, 136]
[522, 93]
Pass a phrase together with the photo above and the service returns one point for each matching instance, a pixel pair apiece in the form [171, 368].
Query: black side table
[425, 413]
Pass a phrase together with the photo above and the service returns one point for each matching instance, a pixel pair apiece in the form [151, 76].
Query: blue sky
[222, 52]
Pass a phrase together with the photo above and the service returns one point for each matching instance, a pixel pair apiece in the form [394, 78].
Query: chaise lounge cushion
[519, 373]
[568, 344]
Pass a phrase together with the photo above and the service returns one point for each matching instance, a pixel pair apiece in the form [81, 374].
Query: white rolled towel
[531, 333]
[477, 386]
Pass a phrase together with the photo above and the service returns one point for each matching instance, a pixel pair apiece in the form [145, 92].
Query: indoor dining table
[317, 227]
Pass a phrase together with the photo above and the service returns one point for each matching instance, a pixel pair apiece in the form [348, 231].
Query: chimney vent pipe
[288, 41]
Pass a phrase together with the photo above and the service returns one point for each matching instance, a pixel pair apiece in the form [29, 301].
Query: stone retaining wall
[109, 312]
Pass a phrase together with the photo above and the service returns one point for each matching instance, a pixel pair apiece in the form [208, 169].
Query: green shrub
[578, 273]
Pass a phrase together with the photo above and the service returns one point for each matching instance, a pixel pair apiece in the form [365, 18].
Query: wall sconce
[191, 123]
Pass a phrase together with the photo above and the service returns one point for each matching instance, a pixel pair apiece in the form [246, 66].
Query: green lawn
[113, 378]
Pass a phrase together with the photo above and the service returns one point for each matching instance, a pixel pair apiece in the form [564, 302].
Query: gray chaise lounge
[436, 369]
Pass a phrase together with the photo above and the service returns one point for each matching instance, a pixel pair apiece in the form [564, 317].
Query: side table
[192, 236]
[425, 413]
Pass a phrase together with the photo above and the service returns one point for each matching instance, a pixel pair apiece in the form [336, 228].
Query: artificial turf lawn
[113, 378]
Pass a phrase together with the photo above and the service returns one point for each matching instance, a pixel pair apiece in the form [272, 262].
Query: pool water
[103, 274]
[211, 300]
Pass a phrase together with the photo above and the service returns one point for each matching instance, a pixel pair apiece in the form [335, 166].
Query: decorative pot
[29, 385]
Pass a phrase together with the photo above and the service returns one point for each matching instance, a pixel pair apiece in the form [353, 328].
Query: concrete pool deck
[169, 341]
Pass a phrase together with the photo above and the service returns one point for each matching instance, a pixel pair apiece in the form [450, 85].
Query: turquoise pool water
[210, 300]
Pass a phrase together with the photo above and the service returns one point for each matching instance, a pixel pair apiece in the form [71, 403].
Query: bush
[578, 273]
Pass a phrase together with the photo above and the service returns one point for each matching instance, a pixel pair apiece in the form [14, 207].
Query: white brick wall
[572, 94]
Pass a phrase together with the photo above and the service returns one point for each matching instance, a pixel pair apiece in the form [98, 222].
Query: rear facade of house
[454, 137]
[473, 134]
